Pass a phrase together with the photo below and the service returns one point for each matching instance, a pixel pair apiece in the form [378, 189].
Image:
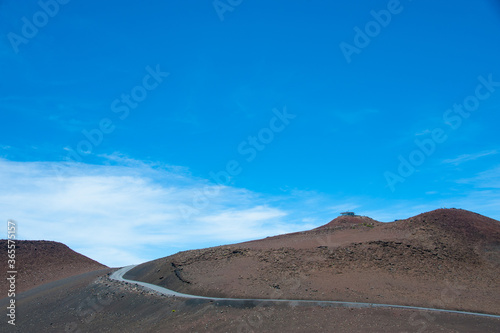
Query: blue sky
[131, 131]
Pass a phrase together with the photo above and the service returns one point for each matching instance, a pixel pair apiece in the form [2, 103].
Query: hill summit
[349, 220]
[40, 262]
[352, 258]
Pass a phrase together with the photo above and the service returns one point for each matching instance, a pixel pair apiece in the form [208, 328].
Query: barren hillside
[447, 258]
[39, 262]
[444, 259]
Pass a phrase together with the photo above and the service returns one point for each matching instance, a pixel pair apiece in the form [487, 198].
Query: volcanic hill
[443, 259]
[446, 258]
[40, 262]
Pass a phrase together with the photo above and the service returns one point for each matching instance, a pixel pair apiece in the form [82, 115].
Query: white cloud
[255, 222]
[344, 208]
[130, 212]
[486, 179]
[127, 211]
[424, 132]
[469, 157]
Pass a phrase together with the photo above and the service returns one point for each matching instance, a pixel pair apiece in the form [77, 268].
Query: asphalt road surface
[118, 276]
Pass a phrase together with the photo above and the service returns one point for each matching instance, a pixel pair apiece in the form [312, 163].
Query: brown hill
[39, 262]
[468, 226]
[419, 261]
[92, 303]
[349, 221]
[447, 258]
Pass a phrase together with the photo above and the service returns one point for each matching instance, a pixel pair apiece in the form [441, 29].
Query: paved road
[118, 276]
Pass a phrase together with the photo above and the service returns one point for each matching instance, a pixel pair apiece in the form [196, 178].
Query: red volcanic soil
[447, 258]
[39, 262]
[443, 259]
[349, 221]
[92, 303]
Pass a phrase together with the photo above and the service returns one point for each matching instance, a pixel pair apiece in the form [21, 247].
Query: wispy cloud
[424, 132]
[485, 179]
[128, 211]
[469, 157]
[69, 124]
[344, 207]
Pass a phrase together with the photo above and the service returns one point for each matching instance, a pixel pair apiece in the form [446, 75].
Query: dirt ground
[39, 262]
[92, 303]
[442, 259]
[446, 259]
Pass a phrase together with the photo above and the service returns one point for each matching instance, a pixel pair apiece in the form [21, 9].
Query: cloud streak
[469, 157]
[128, 211]
[131, 210]
[486, 179]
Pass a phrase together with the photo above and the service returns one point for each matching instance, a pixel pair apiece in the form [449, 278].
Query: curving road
[118, 276]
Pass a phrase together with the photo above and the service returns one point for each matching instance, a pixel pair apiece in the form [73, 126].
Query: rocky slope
[39, 262]
[447, 258]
